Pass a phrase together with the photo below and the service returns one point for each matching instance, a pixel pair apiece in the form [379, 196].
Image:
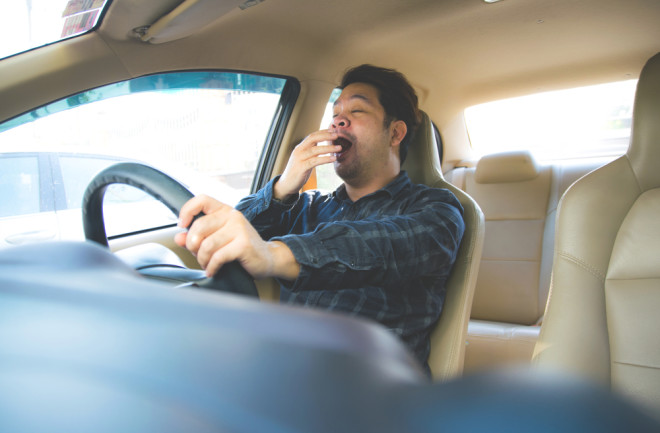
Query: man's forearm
[285, 265]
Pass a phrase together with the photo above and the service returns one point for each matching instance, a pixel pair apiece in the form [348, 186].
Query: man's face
[359, 120]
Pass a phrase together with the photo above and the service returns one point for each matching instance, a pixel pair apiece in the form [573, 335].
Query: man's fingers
[312, 144]
[312, 153]
[323, 149]
[317, 137]
[215, 241]
[197, 205]
[228, 253]
[180, 239]
[203, 227]
[320, 160]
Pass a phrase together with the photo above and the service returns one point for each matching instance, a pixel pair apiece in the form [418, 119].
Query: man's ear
[398, 130]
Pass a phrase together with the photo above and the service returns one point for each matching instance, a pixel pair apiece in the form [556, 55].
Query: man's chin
[346, 172]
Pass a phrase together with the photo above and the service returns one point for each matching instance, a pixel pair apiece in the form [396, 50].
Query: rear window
[591, 121]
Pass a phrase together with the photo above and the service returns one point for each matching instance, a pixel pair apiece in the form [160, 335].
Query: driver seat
[602, 316]
[449, 336]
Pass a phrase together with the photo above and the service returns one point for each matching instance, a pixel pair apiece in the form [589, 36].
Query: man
[378, 247]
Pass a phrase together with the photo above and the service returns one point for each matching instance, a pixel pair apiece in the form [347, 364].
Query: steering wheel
[230, 278]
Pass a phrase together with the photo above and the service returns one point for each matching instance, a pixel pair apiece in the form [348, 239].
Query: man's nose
[340, 121]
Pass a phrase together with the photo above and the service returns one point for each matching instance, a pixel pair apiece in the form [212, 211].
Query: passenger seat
[519, 199]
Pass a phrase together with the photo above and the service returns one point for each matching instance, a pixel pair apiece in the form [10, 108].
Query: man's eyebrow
[356, 96]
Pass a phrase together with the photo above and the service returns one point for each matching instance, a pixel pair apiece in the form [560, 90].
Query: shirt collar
[392, 189]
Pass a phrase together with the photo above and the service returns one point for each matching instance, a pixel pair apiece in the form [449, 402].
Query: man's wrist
[285, 265]
[279, 195]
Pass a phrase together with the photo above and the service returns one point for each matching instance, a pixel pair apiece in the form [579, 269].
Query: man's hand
[223, 235]
[307, 155]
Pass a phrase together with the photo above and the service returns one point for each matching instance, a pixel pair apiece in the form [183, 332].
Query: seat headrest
[644, 149]
[423, 160]
[505, 167]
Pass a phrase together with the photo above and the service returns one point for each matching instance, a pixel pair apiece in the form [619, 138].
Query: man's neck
[356, 192]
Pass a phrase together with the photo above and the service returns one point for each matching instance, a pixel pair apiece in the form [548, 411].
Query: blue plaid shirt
[386, 257]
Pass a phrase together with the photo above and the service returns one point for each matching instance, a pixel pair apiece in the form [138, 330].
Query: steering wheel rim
[230, 278]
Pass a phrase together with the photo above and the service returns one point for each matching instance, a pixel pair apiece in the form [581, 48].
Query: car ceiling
[457, 53]
[463, 48]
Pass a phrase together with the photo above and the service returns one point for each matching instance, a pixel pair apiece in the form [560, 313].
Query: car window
[73, 169]
[19, 178]
[206, 129]
[27, 24]
[592, 121]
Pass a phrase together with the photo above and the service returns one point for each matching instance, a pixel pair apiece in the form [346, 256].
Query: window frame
[275, 135]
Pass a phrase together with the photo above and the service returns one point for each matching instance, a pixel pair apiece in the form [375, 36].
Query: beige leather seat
[602, 320]
[519, 198]
[448, 339]
[513, 191]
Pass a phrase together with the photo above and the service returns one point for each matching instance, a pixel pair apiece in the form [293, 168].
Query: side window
[77, 171]
[206, 129]
[19, 178]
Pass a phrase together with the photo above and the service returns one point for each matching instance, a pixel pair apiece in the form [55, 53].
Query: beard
[348, 171]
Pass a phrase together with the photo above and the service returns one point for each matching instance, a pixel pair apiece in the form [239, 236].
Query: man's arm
[384, 251]
[306, 155]
[223, 234]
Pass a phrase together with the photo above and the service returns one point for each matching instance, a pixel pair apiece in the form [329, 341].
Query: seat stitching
[584, 265]
[496, 259]
[633, 279]
[653, 367]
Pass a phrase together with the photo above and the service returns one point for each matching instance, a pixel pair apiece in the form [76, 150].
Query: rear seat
[519, 199]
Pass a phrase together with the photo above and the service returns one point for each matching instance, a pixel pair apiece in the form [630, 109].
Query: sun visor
[187, 18]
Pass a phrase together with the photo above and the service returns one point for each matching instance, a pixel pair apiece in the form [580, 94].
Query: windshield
[27, 24]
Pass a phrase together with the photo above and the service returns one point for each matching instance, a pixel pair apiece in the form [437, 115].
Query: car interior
[612, 344]
[134, 106]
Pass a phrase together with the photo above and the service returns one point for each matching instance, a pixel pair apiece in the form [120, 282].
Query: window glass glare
[584, 122]
[27, 24]
[19, 178]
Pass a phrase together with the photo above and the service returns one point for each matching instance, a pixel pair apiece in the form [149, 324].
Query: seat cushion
[494, 344]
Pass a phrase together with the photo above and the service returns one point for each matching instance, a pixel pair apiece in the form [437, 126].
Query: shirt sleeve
[268, 216]
[383, 251]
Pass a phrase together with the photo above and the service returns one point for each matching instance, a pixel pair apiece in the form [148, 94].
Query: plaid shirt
[386, 257]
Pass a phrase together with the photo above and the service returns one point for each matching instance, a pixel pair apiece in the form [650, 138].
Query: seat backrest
[602, 320]
[448, 338]
[512, 190]
[518, 197]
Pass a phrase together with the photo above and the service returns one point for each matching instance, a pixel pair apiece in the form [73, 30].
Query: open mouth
[344, 143]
